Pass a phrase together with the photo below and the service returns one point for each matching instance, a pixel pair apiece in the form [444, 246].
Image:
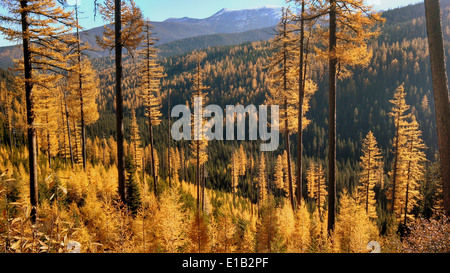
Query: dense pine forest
[88, 163]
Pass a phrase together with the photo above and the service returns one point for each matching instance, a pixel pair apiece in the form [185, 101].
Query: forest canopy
[68, 176]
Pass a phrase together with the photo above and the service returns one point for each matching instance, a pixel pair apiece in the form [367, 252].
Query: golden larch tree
[199, 143]
[285, 79]
[66, 112]
[151, 73]
[175, 164]
[308, 13]
[286, 175]
[128, 24]
[317, 185]
[267, 230]
[354, 229]
[135, 142]
[171, 222]
[10, 112]
[47, 121]
[415, 168]
[198, 234]
[242, 161]
[43, 28]
[369, 174]
[286, 226]
[301, 236]
[400, 115]
[238, 168]
[83, 84]
[84, 91]
[235, 169]
[262, 181]
[279, 174]
[351, 24]
[226, 230]
[281, 90]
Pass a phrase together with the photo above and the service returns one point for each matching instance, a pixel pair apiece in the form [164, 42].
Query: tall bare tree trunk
[368, 182]
[332, 120]
[80, 93]
[286, 122]
[198, 141]
[183, 159]
[69, 138]
[319, 195]
[11, 140]
[395, 169]
[49, 146]
[182, 162]
[83, 130]
[441, 92]
[301, 95]
[407, 185]
[76, 142]
[152, 155]
[150, 122]
[233, 182]
[169, 140]
[197, 175]
[203, 179]
[119, 101]
[143, 169]
[8, 112]
[104, 148]
[32, 139]
[288, 151]
[251, 178]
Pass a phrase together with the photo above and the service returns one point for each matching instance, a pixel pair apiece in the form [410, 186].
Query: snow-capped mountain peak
[231, 20]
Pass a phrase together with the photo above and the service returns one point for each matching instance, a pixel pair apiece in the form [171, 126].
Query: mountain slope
[232, 21]
[200, 42]
[225, 21]
[238, 74]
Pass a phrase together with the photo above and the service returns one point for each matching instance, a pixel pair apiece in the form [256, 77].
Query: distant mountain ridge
[226, 21]
[229, 27]
[233, 21]
[182, 46]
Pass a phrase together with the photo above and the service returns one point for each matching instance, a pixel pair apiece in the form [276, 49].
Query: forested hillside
[238, 75]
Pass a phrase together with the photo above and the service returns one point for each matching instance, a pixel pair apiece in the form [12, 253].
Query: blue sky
[159, 10]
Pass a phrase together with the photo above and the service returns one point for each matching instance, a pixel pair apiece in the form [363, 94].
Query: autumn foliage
[60, 163]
